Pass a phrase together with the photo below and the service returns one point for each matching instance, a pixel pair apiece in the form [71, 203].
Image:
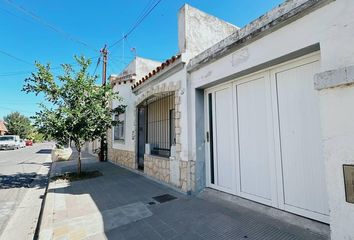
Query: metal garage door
[264, 140]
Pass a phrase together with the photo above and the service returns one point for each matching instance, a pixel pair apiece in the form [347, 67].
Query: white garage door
[265, 142]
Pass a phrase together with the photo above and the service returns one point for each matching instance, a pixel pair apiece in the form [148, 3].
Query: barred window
[161, 125]
[119, 129]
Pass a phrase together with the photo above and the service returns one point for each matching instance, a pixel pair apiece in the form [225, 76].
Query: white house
[121, 139]
[157, 105]
[263, 113]
[273, 106]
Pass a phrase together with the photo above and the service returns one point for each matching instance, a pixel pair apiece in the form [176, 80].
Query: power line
[98, 63]
[23, 72]
[48, 25]
[14, 15]
[137, 23]
[14, 57]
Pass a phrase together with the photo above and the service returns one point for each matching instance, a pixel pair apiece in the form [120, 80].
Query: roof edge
[158, 70]
[279, 16]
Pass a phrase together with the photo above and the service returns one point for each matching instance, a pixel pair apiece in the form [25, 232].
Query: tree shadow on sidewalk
[23, 180]
[120, 205]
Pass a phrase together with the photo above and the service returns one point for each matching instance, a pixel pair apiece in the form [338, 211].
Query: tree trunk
[102, 150]
[79, 162]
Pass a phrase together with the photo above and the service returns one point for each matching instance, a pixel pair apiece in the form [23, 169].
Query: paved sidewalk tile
[118, 205]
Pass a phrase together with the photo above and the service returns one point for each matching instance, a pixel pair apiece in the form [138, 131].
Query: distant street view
[20, 172]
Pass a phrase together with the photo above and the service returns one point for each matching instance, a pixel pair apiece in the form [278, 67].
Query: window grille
[161, 125]
[119, 129]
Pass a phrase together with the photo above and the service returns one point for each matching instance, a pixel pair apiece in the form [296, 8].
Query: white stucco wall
[144, 66]
[139, 66]
[198, 30]
[177, 78]
[128, 99]
[337, 120]
[332, 27]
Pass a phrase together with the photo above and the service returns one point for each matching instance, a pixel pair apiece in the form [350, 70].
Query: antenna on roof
[133, 50]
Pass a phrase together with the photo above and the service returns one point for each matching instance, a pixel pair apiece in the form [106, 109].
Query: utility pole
[103, 148]
[104, 53]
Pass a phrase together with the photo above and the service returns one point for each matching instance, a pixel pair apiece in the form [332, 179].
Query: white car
[10, 142]
[22, 143]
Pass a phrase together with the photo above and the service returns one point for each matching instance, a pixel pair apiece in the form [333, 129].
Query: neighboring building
[3, 128]
[121, 138]
[154, 141]
[265, 113]
[92, 147]
[151, 138]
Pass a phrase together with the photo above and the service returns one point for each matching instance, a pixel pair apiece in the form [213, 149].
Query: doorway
[141, 136]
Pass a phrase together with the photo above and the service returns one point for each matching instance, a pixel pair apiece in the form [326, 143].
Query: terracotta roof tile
[156, 70]
[122, 79]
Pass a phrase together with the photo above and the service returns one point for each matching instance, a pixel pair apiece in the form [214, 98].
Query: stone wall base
[187, 171]
[157, 167]
[122, 157]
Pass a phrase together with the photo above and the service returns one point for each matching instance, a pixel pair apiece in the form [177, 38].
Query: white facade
[197, 31]
[135, 70]
[277, 92]
[323, 31]
[266, 138]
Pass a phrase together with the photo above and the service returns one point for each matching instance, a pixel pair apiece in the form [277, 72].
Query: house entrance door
[141, 136]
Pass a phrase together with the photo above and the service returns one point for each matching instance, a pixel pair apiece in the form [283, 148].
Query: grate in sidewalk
[164, 198]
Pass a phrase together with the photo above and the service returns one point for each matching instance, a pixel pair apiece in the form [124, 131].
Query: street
[21, 175]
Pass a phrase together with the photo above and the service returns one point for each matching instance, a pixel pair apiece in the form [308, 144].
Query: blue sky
[93, 23]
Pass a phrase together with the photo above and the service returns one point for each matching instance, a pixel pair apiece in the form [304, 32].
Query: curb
[44, 197]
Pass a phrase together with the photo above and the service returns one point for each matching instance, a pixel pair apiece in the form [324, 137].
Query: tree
[18, 124]
[36, 136]
[79, 111]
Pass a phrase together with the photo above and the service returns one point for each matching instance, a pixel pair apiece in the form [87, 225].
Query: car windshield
[5, 138]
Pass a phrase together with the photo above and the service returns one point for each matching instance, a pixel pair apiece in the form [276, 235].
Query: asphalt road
[18, 170]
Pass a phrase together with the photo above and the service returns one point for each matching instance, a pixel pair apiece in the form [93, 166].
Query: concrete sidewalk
[120, 205]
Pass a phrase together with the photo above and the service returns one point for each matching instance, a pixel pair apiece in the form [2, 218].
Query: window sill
[159, 157]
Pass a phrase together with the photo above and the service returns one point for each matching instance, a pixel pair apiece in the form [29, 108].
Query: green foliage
[80, 109]
[35, 136]
[18, 124]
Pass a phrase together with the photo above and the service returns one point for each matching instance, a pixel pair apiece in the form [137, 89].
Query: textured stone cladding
[157, 167]
[120, 157]
[187, 173]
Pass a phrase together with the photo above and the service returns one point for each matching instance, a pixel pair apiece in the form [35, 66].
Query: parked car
[10, 142]
[29, 143]
[22, 143]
